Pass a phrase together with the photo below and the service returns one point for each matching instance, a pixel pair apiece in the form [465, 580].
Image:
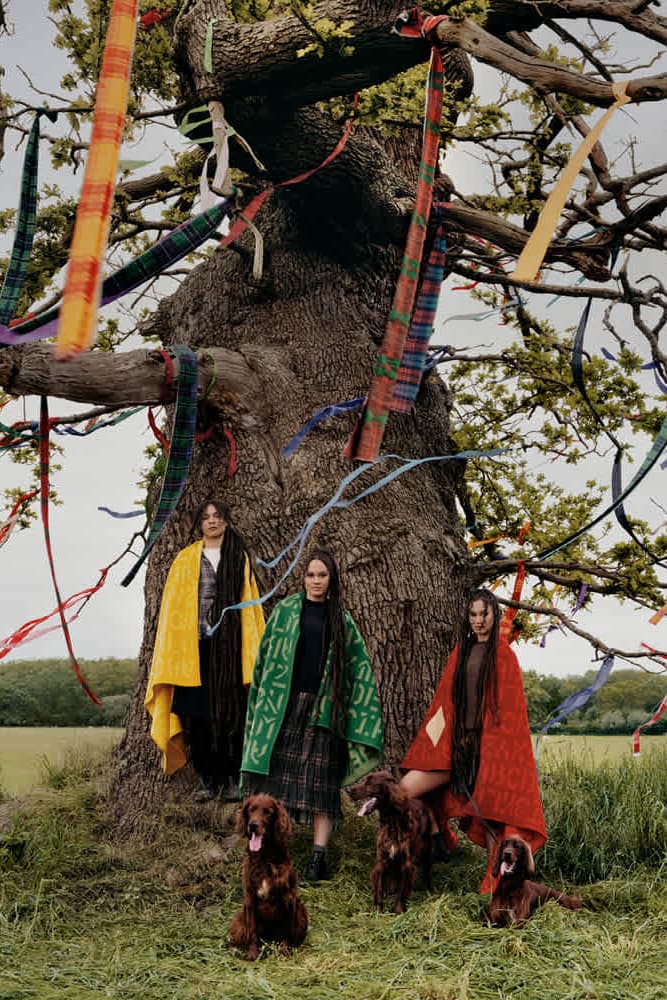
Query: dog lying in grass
[272, 910]
[515, 897]
[403, 838]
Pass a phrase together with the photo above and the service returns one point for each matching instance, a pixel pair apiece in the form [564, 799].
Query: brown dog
[515, 897]
[403, 837]
[271, 908]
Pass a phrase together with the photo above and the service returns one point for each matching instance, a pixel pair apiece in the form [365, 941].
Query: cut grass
[26, 751]
[82, 916]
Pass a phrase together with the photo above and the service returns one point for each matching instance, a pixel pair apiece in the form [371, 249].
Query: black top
[308, 661]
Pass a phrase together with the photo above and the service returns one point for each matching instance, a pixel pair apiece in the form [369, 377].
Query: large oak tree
[305, 334]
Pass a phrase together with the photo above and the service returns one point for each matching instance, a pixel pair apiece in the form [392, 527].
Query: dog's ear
[242, 818]
[529, 861]
[497, 859]
[282, 825]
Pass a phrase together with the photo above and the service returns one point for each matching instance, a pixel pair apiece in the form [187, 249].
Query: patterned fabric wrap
[25, 228]
[506, 791]
[416, 346]
[176, 650]
[180, 451]
[308, 765]
[367, 437]
[271, 686]
[169, 250]
[91, 228]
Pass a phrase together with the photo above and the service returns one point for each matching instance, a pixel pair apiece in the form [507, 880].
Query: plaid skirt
[307, 767]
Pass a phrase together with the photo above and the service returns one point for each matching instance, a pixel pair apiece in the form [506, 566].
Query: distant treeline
[46, 693]
[629, 698]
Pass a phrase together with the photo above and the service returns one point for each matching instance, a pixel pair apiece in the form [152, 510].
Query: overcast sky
[104, 468]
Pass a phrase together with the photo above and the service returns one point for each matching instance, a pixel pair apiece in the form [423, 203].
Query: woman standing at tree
[473, 756]
[197, 684]
[314, 719]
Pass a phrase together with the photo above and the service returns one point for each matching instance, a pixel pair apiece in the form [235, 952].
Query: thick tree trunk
[309, 332]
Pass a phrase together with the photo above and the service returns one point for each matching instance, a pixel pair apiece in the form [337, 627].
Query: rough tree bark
[307, 334]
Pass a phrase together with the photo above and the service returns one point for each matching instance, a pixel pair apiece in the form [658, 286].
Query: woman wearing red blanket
[473, 756]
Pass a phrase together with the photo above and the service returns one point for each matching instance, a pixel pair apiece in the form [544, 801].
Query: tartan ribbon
[577, 700]
[93, 216]
[650, 722]
[180, 451]
[167, 251]
[421, 328]
[14, 279]
[44, 427]
[366, 439]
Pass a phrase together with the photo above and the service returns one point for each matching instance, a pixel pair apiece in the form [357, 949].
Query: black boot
[439, 850]
[316, 870]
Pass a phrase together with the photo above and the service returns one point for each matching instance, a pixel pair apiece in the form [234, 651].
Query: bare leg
[415, 784]
[322, 827]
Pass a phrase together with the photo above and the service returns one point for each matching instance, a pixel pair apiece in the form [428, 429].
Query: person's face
[480, 616]
[316, 580]
[212, 524]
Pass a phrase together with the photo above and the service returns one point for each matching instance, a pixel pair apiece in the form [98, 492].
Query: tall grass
[83, 916]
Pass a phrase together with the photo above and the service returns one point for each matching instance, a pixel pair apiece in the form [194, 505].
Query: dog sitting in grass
[515, 897]
[403, 839]
[272, 910]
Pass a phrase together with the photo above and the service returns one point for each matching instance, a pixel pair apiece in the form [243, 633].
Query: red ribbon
[654, 718]
[44, 428]
[6, 527]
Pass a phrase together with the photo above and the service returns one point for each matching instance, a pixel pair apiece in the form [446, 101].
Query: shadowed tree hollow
[276, 347]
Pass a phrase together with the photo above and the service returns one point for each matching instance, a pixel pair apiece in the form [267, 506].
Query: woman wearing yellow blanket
[197, 687]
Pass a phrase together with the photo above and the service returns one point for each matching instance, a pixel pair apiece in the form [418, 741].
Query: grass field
[84, 914]
[27, 752]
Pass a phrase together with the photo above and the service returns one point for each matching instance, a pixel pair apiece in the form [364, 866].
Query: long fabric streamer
[180, 451]
[93, 216]
[616, 474]
[44, 503]
[167, 251]
[12, 285]
[336, 502]
[530, 261]
[124, 515]
[578, 605]
[26, 632]
[366, 440]
[577, 700]
[334, 410]
[650, 722]
[421, 328]
[652, 457]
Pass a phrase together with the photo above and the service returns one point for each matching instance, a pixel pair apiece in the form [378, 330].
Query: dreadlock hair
[466, 744]
[334, 637]
[226, 695]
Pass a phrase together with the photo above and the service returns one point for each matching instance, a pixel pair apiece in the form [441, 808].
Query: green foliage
[628, 698]
[46, 693]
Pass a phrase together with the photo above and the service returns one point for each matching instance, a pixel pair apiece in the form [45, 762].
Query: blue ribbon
[335, 502]
[129, 513]
[578, 699]
[328, 411]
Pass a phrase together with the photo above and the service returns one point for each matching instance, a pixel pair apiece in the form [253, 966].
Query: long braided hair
[226, 695]
[334, 639]
[466, 743]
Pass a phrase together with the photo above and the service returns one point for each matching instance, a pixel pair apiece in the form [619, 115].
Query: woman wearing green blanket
[314, 720]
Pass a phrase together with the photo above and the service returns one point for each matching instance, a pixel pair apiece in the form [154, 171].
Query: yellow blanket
[176, 650]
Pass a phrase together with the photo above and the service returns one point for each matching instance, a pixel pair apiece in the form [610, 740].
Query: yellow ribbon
[532, 255]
